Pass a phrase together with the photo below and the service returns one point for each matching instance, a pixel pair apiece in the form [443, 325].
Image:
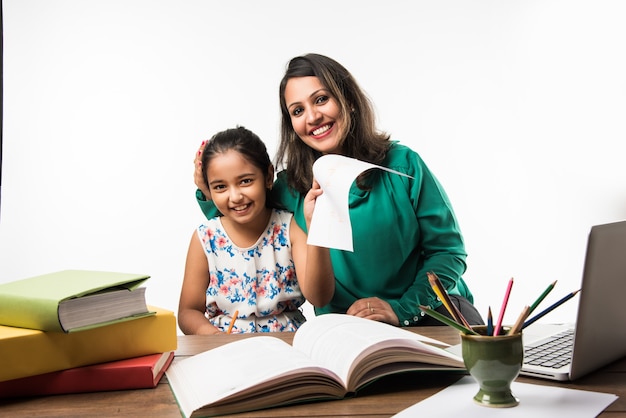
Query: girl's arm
[313, 265]
[192, 304]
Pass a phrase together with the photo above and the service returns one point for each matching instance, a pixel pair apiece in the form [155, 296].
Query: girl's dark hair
[362, 139]
[246, 143]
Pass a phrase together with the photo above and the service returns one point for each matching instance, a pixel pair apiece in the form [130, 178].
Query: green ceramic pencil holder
[494, 362]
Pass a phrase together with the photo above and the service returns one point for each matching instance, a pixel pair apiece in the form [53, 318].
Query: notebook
[597, 338]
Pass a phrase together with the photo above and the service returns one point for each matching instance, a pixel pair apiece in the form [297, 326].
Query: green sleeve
[402, 228]
[207, 206]
[289, 199]
[440, 242]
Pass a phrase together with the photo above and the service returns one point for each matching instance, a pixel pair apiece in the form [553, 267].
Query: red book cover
[133, 373]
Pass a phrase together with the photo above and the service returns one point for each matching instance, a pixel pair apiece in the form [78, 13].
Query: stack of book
[81, 331]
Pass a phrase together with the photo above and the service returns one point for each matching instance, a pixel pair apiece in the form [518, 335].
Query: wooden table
[383, 398]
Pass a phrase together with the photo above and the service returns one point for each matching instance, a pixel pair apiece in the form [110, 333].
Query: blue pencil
[489, 322]
[550, 308]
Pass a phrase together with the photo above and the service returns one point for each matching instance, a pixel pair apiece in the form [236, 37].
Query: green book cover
[34, 302]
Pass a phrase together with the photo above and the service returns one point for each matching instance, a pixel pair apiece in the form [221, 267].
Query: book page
[237, 370]
[339, 342]
[102, 307]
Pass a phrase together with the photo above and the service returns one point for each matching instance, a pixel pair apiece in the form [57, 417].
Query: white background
[517, 106]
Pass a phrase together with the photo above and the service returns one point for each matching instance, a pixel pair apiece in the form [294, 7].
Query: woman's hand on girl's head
[198, 176]
[309, 202]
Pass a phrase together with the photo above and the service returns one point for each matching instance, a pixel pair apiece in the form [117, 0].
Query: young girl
[247, 270]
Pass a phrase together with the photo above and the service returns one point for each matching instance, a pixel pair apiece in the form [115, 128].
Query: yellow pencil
[232, 322]
[517, 327]
[441, 293]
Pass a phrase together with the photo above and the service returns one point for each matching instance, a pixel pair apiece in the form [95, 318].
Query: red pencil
[496, 330]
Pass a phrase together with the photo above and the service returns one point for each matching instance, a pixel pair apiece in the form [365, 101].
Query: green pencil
[542, 297]
[447, 321]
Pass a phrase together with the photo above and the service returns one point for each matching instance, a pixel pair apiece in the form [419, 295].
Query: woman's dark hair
[362, 139]
[246, 143]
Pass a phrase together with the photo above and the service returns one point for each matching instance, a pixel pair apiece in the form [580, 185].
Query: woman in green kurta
[402, 227]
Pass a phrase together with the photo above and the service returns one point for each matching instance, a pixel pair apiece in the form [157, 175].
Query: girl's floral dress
[259, 282]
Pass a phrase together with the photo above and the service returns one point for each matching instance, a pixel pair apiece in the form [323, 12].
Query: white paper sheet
[536, 401]
[330, 224]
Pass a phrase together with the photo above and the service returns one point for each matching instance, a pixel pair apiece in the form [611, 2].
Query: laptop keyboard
[554, 353]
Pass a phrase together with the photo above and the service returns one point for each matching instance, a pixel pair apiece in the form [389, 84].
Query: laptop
[597, 338]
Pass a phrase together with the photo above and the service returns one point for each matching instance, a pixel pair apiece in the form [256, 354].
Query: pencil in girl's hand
[441, 293]
[232, 322]
[496, 330]
[550, 308]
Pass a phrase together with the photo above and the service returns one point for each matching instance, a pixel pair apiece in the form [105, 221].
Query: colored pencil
[550, 308]
[496, 330]
[437, 287]
[441, 293]
[489, 322]
[447, 321]
[542, 296]
[232, 322]
[517, 327]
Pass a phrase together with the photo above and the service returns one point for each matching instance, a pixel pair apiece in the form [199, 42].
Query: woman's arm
[192, 303]
[440, 241]
[203, 194]
[206, 205]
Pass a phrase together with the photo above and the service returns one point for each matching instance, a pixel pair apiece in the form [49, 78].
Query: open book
[332, 356]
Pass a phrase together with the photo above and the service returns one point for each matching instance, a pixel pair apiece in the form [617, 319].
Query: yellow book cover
[28, 352]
